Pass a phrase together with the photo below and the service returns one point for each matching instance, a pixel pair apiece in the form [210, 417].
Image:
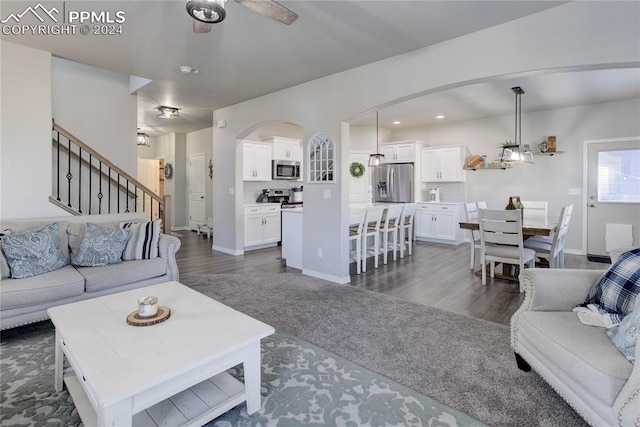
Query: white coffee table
[171, 373]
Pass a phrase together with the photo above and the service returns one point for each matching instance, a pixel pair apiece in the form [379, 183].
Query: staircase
[87, 183]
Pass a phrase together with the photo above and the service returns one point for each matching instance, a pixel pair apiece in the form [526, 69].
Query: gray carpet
[459, 361]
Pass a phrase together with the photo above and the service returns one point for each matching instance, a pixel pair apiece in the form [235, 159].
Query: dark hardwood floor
[436, 275]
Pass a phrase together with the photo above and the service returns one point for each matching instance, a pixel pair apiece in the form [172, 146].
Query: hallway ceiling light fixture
[516, 153]
[143, 140]
[168, 112]
[378, 158]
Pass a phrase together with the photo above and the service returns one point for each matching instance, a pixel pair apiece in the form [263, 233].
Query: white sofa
[580, 362]
[24, 301]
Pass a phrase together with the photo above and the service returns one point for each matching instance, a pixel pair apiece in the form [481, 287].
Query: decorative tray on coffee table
[134, 319]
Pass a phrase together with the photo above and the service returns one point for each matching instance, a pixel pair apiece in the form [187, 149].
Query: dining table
[530, 227]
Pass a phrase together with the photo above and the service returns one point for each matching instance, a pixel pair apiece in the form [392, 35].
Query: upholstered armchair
[579, 361]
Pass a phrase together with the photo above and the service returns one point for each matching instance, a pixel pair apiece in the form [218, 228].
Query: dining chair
[391, 226]
[371, 230]
[472, 214]
[356, 224]
[553, 251]
[482, 204]
[501, 241]
[533, 209]
[406, 227]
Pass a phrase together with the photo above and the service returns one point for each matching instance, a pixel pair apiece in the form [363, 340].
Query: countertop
[249, 205]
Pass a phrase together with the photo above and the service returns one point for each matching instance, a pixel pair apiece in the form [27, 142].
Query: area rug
[302, 384]
[459, 361]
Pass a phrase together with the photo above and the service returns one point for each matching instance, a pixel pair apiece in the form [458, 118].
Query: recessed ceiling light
[440, 117]
[397, 122]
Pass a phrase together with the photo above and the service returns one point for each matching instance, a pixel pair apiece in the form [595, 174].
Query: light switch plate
[574, 191]
[232, 190]
[326, 194]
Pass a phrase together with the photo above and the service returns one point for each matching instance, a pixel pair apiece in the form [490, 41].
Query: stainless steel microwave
[285, 169]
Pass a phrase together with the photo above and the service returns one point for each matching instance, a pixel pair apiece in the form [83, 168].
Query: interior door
[613, 191]
[359, 187]
[197, 197]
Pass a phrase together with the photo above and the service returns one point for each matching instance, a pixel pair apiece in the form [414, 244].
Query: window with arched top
[321, 158]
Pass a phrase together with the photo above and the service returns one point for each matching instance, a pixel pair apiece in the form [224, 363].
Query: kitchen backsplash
[253, 189]
[452, 192]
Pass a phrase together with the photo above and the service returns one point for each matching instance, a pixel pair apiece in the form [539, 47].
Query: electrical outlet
[319, 252]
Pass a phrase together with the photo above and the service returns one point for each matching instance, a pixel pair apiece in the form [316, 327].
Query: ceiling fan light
[207, 11]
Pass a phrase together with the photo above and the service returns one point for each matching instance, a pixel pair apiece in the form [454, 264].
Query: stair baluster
[125, 188]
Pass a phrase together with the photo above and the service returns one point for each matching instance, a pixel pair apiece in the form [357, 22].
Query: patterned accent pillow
[35, 251]
[614, 294]
[5, 271]
[143, 240]
[100, 246]
[625, 335]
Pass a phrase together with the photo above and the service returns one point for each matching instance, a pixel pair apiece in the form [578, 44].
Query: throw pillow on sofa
[5, 271]
[34, 251]
[143, 240]
[626, 334]
[100, 246]
[614, 294]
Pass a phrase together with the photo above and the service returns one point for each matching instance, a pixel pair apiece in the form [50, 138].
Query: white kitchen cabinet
[285, 148]
[261, 225]
[439, 222]
[399, 152]
[256, 161]
[443, 164]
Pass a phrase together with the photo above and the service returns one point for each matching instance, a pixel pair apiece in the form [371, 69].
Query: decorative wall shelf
[502, 167]
[548, 153]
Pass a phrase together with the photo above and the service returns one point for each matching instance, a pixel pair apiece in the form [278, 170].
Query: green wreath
[356, 169]
[168, 170]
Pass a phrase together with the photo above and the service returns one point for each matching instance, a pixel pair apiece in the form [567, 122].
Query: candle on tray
[147, 306]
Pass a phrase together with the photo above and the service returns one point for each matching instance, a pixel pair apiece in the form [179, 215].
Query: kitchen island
[292, 236]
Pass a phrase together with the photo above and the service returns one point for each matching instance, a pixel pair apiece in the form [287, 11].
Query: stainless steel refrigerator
[393, 183]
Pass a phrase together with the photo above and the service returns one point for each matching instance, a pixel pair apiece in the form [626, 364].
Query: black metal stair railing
[85, 182]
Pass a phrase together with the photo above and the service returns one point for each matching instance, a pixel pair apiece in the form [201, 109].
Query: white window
[321, 158]
[619, 176]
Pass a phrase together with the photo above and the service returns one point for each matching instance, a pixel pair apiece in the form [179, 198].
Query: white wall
[363, 138]
[576, 34]
[95, 105]
[549, 178]
[25, 133]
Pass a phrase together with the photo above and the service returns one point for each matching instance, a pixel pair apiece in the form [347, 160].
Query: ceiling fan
[208, 12]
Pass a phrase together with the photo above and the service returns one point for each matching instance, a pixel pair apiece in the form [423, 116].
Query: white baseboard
[227, 250]
[183, 228]
[327, 277]
[574, 252]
